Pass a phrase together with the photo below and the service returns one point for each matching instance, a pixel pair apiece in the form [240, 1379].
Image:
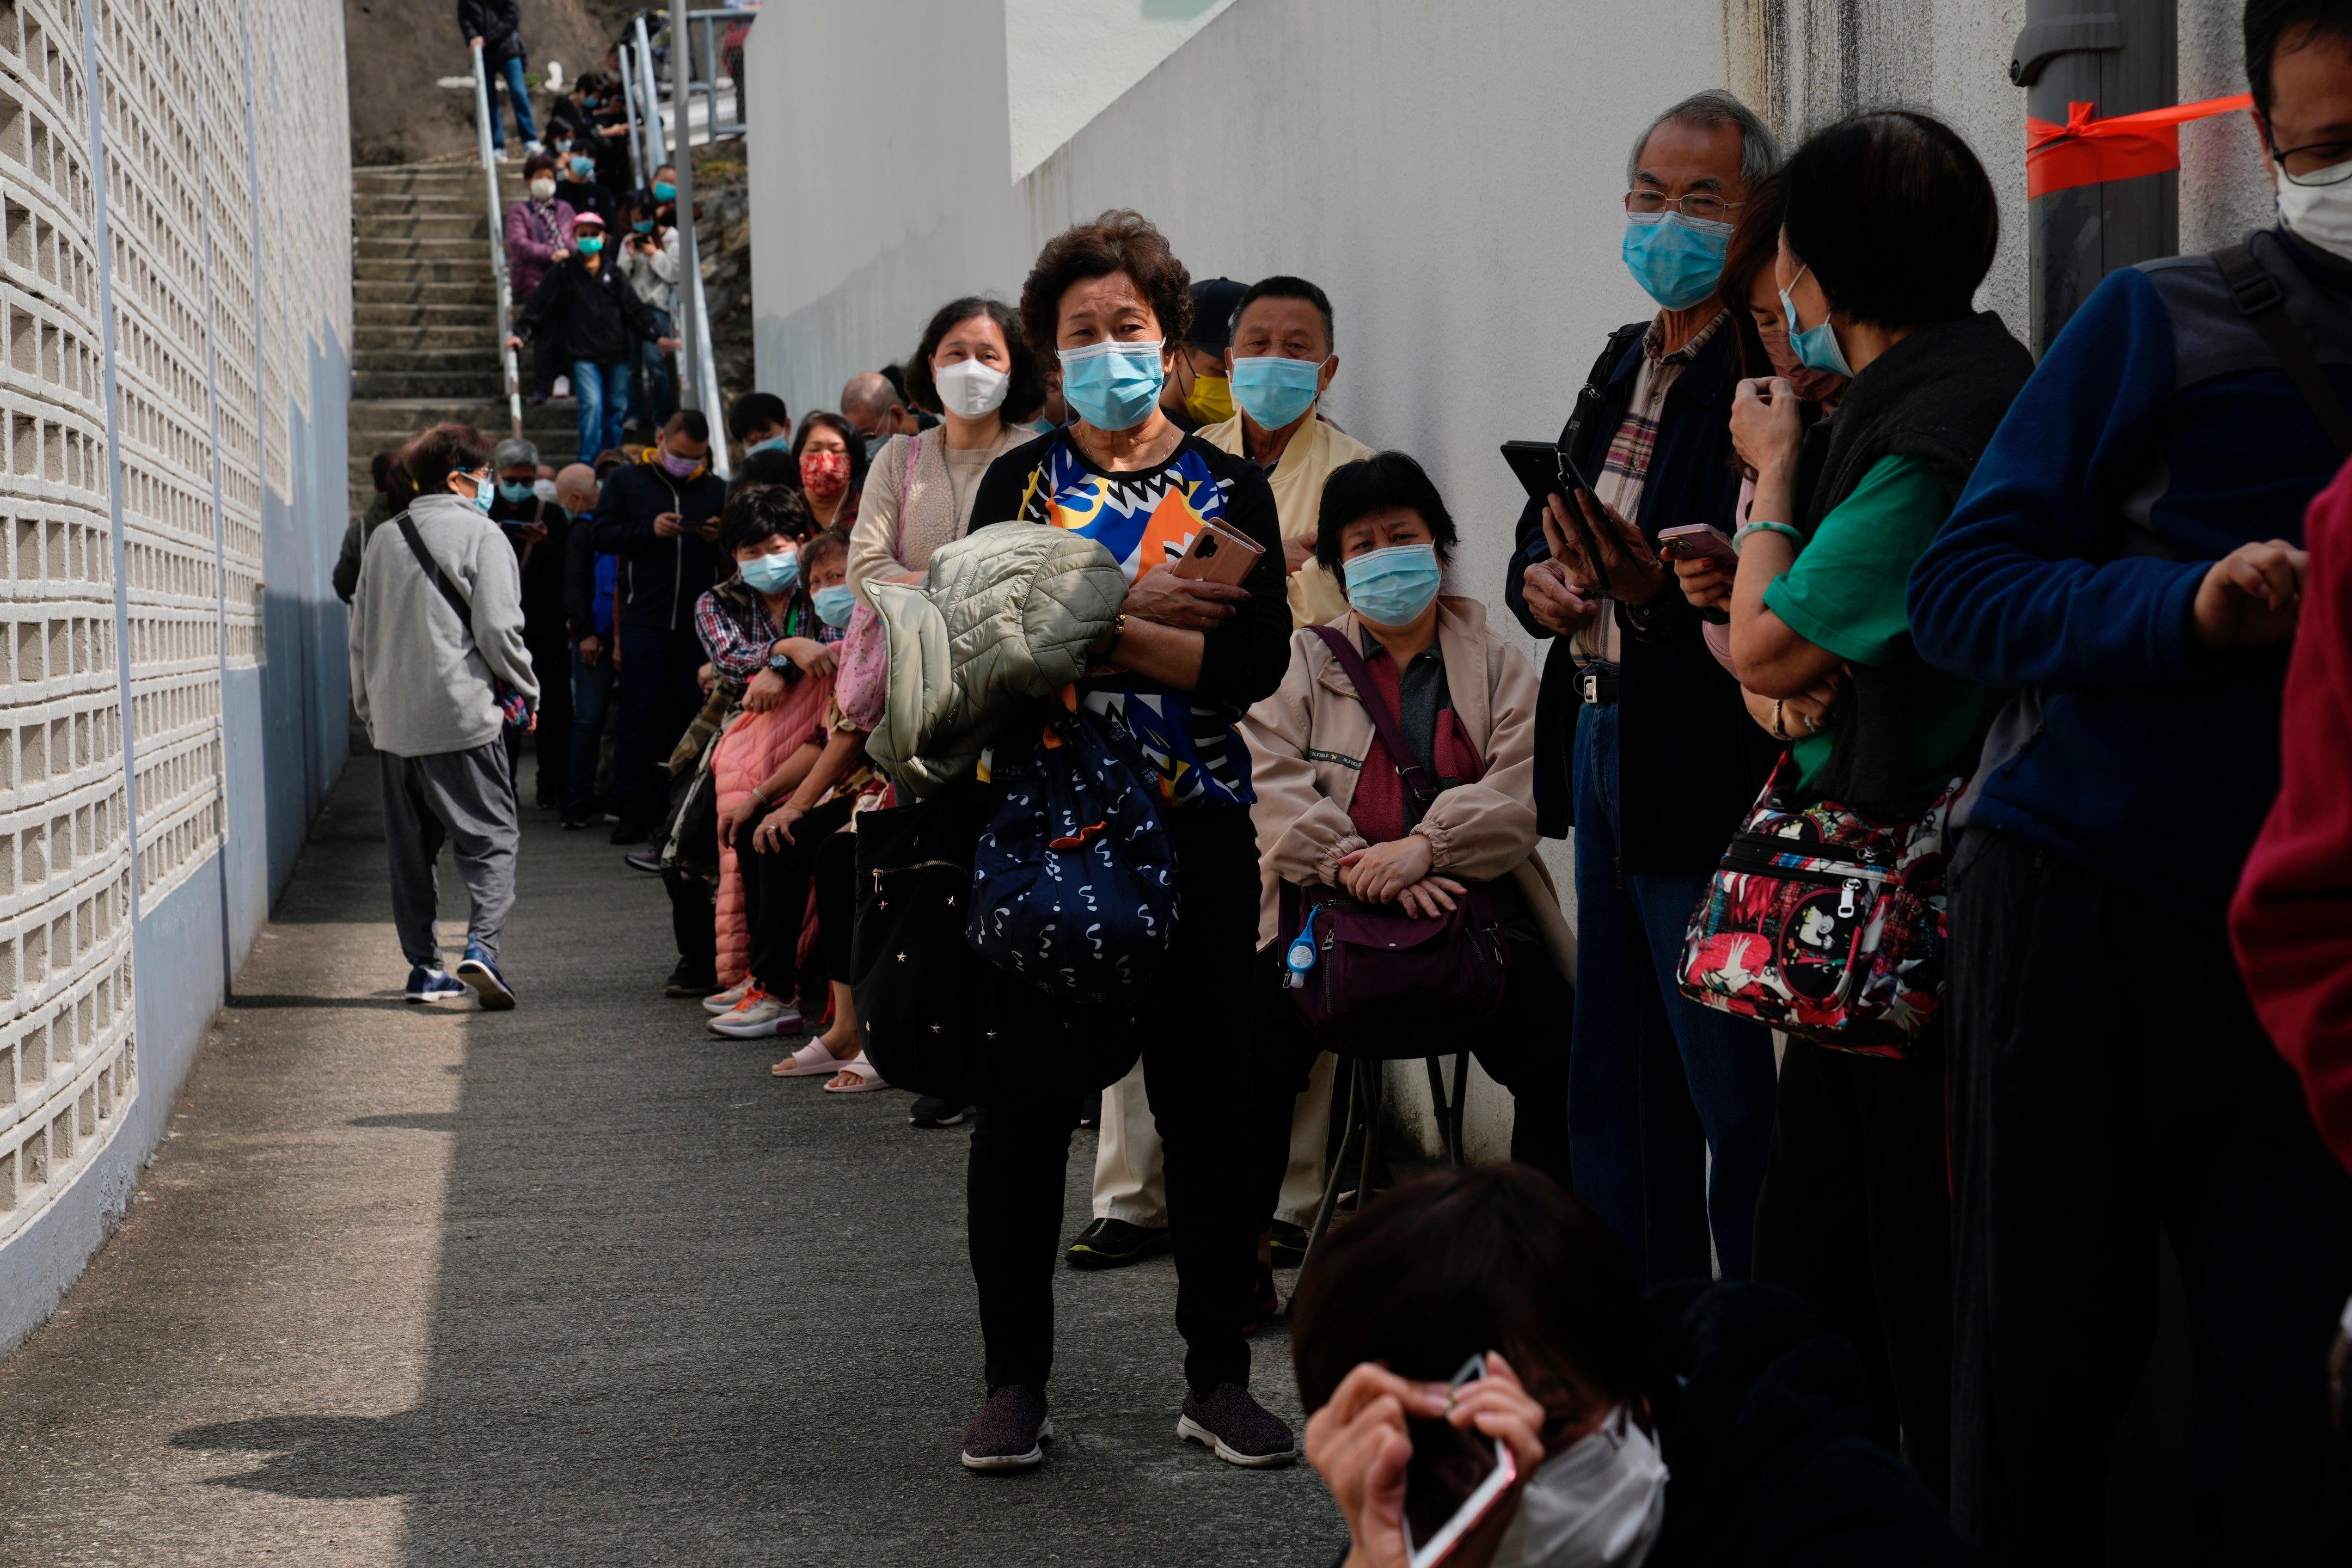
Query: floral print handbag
[1825, 924]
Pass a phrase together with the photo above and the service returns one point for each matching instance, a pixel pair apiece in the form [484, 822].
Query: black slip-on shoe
[1237, 1428]
[644, 861]
[687, 981]
[1113, 1243]
[937, 1110]
[1010, 1431]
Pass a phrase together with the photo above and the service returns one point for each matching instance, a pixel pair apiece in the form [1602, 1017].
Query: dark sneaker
[1289, 1244]
[1113, 1243]
[1008, 1432]
[933, 1110]
[687, 981]
[579, 817]
[1238, 1428]
[1266, 1304]
[432, 985]
[490, 987]
[644, 861]
[632, 830]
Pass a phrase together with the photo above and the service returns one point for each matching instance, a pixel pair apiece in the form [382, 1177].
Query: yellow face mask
[1211, 401]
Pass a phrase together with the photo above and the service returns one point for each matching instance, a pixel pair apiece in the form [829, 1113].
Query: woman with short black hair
[1890, 225]
[1180, 664]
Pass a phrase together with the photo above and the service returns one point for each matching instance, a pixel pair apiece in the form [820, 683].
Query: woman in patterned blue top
[1181, 663]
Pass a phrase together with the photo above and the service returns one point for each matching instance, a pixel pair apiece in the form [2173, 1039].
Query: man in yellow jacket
[1279, 359]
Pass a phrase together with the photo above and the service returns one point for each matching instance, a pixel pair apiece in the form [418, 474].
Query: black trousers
[776, 890]
[837, 903]
[693, 904]
[1855, 1217]
[1202, 1102]
[1525, 1049]
[2107, 1078]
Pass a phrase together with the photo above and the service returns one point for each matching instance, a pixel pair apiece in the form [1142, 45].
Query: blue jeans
[1657, 1084]
[604, 393]
[525, 126]
[651, 397]
[591, 693]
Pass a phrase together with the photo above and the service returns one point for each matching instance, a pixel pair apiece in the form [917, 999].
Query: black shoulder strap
[449, 590]
[1596, 381]
[2264, 304]
[1391, 730]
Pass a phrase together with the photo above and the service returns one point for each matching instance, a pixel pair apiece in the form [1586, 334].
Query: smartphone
[1453, 1479]
[1218, 554]
[1545, 470]
[1698, 542]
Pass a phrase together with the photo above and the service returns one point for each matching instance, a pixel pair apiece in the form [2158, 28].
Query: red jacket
[2292, 919]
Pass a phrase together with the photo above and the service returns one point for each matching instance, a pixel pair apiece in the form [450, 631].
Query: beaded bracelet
[1748, 527]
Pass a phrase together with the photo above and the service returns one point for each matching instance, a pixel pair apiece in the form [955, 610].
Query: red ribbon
[2089, 151]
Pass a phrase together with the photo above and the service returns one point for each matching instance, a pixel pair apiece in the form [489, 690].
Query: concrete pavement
[573, 1284]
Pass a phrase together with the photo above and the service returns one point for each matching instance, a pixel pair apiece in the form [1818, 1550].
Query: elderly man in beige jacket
[1280, 359]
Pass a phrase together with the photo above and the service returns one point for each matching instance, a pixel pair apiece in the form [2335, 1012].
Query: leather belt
[1597, 682]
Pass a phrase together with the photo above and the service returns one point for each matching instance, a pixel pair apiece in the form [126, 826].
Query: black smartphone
[1454, 1479]
[1545, 470]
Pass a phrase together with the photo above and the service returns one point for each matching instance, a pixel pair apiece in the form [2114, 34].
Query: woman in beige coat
[1333, 810]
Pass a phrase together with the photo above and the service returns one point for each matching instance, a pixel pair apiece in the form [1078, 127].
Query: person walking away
[1890, 225]
[973, 364]
[1334, 810]
[392, 494]
[650, 261]
[594, 321]
[588, 581]
[660, 516]
[540, 532]
[1186, 659]
[877, 409]
[2126, 559]
[1279, 361]
[495, 27]
[1197, 393]
[1643, 746]
[538, 235]
[831, 457]
[425, 681]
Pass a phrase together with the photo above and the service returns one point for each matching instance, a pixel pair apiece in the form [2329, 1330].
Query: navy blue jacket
[2157, 435]
[659, 579]
[1690, 760]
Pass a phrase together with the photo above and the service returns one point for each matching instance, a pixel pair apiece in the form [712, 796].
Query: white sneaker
[725, 1001]
[533, 150]
[756, 1016]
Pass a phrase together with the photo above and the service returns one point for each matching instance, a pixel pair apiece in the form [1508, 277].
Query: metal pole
[497, 242]
[639, 175]
[689, 297]
[649, 91]
[2120, 56]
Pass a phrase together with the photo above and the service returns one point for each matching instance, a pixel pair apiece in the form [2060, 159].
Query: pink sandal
[869, 1077]
[812, 1060]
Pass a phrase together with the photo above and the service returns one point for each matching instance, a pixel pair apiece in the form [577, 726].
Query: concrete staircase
[427, 316]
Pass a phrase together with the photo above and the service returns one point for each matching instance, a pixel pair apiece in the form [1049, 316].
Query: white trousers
[1128, 1183]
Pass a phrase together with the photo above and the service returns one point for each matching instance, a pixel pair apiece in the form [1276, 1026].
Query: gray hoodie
[420, 681]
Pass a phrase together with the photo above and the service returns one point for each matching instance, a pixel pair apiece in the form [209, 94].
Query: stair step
[451, 384]
[403, 225]
[474, 268]
[435, 356]
[482, 340]
[479, 316]
[481, 291]
[433, 248]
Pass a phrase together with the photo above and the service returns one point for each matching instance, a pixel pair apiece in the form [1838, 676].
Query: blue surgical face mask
[1675, 259]
[773, 444]
[583, 165]
[1816, 348]
[664, 191]
[1390, 587]
[483, 493]
[517, 492]
[771, 573]
[642, 225]
[834, 605]
[1113, 386]
[1274, 392]
[589, 244]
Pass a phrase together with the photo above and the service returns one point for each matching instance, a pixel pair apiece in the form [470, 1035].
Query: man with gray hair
[1643, 747]
[525, 511]
[870, 402]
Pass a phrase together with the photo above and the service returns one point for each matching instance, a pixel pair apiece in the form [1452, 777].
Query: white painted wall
[1066, 63]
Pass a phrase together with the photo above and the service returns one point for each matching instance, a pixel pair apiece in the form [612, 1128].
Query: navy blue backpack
[1073, 883]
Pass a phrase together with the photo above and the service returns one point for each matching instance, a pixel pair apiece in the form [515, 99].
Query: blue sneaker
[489, 986]
[432, 985]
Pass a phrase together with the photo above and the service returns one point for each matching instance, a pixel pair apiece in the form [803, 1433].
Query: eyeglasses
[2316, 163]
[1697, 204]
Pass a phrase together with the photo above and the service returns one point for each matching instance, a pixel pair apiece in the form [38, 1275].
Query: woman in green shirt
[1889, 226]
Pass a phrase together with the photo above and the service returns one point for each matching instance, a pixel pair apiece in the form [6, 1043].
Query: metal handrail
[638, 172]
[649, 94]
[498, 242]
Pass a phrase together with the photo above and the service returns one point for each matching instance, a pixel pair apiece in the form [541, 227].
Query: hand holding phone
[1698, 542]
[1218, 554]
[1456, 1477]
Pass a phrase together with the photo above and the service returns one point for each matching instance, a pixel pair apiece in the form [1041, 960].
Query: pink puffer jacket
[754, 746]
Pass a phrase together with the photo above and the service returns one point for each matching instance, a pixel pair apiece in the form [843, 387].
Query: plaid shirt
[739, 637]
[1625, 469]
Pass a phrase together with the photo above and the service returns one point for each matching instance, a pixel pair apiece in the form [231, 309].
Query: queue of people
[1903, 696]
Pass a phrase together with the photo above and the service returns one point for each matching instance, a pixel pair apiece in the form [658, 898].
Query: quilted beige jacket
[1006, 618]
[1307, 744]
